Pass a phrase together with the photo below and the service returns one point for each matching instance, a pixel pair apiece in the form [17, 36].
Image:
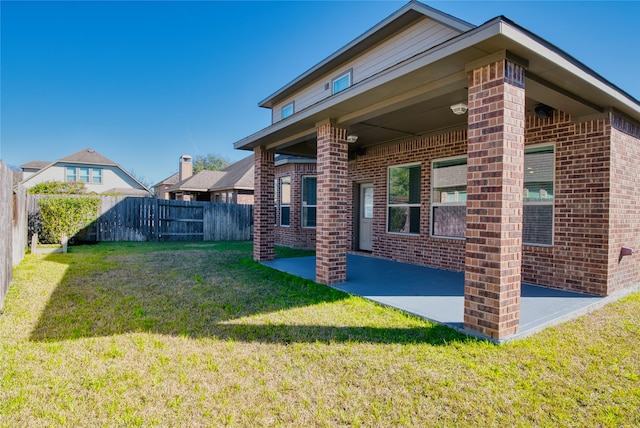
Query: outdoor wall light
[460, 108]
[352, 139]
[543, 111]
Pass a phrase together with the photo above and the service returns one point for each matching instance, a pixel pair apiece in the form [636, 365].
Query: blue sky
[145, 82]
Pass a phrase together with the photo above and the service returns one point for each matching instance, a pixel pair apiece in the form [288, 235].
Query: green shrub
[66, 216]
[59, 188]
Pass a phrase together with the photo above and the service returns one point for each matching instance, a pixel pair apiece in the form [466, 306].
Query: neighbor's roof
[172, 179]
[35, 164]
[199, 182]
[88, 156]
[238, 175]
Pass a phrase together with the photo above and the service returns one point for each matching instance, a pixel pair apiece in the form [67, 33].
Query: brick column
[331, 229]
[494, 197]
[263, 215]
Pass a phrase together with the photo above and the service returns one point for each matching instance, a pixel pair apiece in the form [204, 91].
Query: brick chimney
[186, 167]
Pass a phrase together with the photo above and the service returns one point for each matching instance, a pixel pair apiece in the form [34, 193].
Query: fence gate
[179, 220]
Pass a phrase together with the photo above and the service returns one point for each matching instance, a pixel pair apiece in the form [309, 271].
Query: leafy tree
[211, 162]
[58, 188]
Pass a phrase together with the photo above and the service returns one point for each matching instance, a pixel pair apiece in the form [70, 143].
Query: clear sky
[145, 82]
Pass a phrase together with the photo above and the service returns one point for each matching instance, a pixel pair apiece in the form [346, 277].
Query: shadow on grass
[198, 290]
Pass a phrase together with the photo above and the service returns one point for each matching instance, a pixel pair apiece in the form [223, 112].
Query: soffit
[413, 97]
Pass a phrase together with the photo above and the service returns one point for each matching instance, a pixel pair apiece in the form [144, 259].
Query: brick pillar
[263, 215]
[494, 198]
[331, 229]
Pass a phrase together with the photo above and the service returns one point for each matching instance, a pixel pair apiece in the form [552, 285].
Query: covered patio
[438, 295]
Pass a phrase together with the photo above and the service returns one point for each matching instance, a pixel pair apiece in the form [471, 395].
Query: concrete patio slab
[438, 295]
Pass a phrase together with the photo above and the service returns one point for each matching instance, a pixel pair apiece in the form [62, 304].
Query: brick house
[233, 184]
[482, 149]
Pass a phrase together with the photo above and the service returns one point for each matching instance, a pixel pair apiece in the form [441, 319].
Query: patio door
[365, 220]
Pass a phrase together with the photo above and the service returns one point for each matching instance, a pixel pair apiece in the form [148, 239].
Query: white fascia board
[564, 61]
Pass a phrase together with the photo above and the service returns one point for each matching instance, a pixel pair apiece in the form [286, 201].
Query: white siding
[415, 39]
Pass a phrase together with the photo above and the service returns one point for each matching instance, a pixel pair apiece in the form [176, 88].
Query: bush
[65, 216]
[59, 188]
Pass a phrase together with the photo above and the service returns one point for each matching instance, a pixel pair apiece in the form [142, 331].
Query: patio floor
[438, 295]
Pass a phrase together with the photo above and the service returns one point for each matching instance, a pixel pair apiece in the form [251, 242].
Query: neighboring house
[161, 188]
[482, 149]
[100, 174]
[233, 184]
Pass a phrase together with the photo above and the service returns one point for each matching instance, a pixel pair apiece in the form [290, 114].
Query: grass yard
[197, 334]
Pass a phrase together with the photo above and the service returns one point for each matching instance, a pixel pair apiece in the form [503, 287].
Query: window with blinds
[449, 198]
[539, 173]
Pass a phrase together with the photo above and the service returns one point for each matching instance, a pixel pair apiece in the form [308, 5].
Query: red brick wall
[578, 259]
[295, 235]
[244, 198]
[624, 205]
[585, 254]
[372, 167]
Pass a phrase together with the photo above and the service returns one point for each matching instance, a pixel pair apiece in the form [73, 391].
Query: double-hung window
[341, 82]
[537, 220]
[449, 198]
[285, 201]
[309, 201]
[403, 201]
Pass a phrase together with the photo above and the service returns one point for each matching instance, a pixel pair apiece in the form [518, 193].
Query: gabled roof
[35, 164]
[238, 175]
[200, 182]
[88, 156]
[432, 80]
[172, 179]
[404, 16]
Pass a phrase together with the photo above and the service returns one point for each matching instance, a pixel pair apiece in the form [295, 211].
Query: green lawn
[197, 334]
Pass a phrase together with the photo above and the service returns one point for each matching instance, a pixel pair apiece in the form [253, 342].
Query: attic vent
[90, 151]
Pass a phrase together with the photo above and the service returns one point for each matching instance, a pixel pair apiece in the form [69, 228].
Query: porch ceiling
[414, 97]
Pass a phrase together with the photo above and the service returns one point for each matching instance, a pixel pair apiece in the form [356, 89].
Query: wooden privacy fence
[13, 227]
[145, 219]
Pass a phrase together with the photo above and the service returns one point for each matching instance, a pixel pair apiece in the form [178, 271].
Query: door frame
[357, 213]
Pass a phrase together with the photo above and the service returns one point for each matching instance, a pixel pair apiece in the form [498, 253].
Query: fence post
[154, 218]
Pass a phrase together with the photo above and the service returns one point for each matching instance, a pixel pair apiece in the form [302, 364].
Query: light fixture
[352, 139]
[460, 108]
[543, 111]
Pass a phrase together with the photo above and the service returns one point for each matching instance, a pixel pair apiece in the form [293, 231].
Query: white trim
[302, 202]
[552, 202]
[439, 204]
[349, 74]
[408, 205]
